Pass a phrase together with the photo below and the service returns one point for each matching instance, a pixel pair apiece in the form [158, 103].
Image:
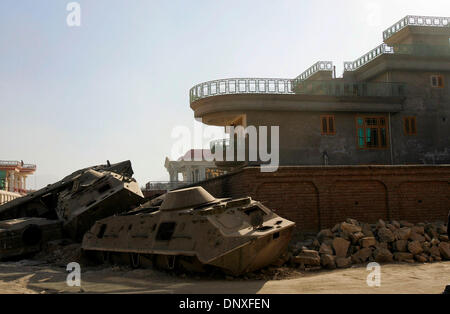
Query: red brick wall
[319, 197]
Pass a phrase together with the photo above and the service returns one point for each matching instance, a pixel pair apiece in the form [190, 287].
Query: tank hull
[73, 204]
[236, 236]
[20, 237]
[81, 198]
[255, 255]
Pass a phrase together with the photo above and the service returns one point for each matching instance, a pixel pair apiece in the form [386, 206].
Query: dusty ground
[35, 277]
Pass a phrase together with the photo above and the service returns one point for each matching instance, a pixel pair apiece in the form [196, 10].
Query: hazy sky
[116, 87]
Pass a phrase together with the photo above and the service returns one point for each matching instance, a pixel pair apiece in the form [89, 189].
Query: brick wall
[319, 197]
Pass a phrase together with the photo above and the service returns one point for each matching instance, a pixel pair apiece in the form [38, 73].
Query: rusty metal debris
[192, 230]
[75, 202]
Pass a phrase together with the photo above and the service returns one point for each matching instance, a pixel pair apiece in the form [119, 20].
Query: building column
[189, 177]
[19, 182]
[173, 175]
[10, 180]
[16, 182]
[202, 173]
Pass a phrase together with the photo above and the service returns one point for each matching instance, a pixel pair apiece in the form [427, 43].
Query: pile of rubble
[353, 242]
[60, 253]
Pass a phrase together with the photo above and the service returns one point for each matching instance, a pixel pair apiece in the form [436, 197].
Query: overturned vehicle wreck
[68, 208]
[191, 229]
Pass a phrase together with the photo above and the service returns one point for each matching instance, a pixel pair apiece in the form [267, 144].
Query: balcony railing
[416, 50]
[432, 21]
[374, 53]
[13, 163]
[317, 67]
[350, 89]
[6, 196]
[165, 185]
[241, 86]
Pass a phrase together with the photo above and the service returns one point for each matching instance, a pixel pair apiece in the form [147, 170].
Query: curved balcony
[241, 86]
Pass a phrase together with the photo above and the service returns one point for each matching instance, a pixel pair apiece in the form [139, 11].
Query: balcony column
[6, 181]
[173, 175]
[19, 182]
[189, 177]
[16, 183]
[202, 173]
[10, 180]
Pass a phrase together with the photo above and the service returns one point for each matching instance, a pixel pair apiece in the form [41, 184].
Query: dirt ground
[38, 277]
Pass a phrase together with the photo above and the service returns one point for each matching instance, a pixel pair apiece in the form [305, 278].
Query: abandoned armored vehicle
[191, 229]
[80, 199]
[24, 236]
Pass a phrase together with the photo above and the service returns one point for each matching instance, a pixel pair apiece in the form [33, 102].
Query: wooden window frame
[407, 121]
[439, 79]
[379, 127]
[328, 119]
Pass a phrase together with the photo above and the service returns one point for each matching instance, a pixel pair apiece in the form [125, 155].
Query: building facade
[390, 107]
[13, 177]
[195, 166]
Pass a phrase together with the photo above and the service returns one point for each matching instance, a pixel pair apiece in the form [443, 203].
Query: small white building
[193, 167]
[13, 176]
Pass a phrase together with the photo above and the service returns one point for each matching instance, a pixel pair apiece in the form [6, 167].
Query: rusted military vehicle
[81, 198]
[191, 229]
[23, 236]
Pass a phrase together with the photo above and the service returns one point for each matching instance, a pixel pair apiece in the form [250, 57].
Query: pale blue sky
[115, 87]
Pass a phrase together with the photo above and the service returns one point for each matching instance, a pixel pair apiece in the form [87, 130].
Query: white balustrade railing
[414, 20]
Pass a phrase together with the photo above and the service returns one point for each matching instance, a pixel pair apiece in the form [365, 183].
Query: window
[371, 132]
[437, 81]
[328, 126]
[409, 125]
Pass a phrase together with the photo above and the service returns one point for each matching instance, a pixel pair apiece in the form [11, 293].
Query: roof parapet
[17, 164]
[374, 53]
[317, 67]
[241, 86]
[414, 20]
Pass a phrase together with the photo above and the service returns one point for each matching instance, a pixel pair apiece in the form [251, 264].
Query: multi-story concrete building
[382, 129]
[391, 106]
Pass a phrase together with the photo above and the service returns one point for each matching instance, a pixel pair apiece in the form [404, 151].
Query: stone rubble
[353, 242]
